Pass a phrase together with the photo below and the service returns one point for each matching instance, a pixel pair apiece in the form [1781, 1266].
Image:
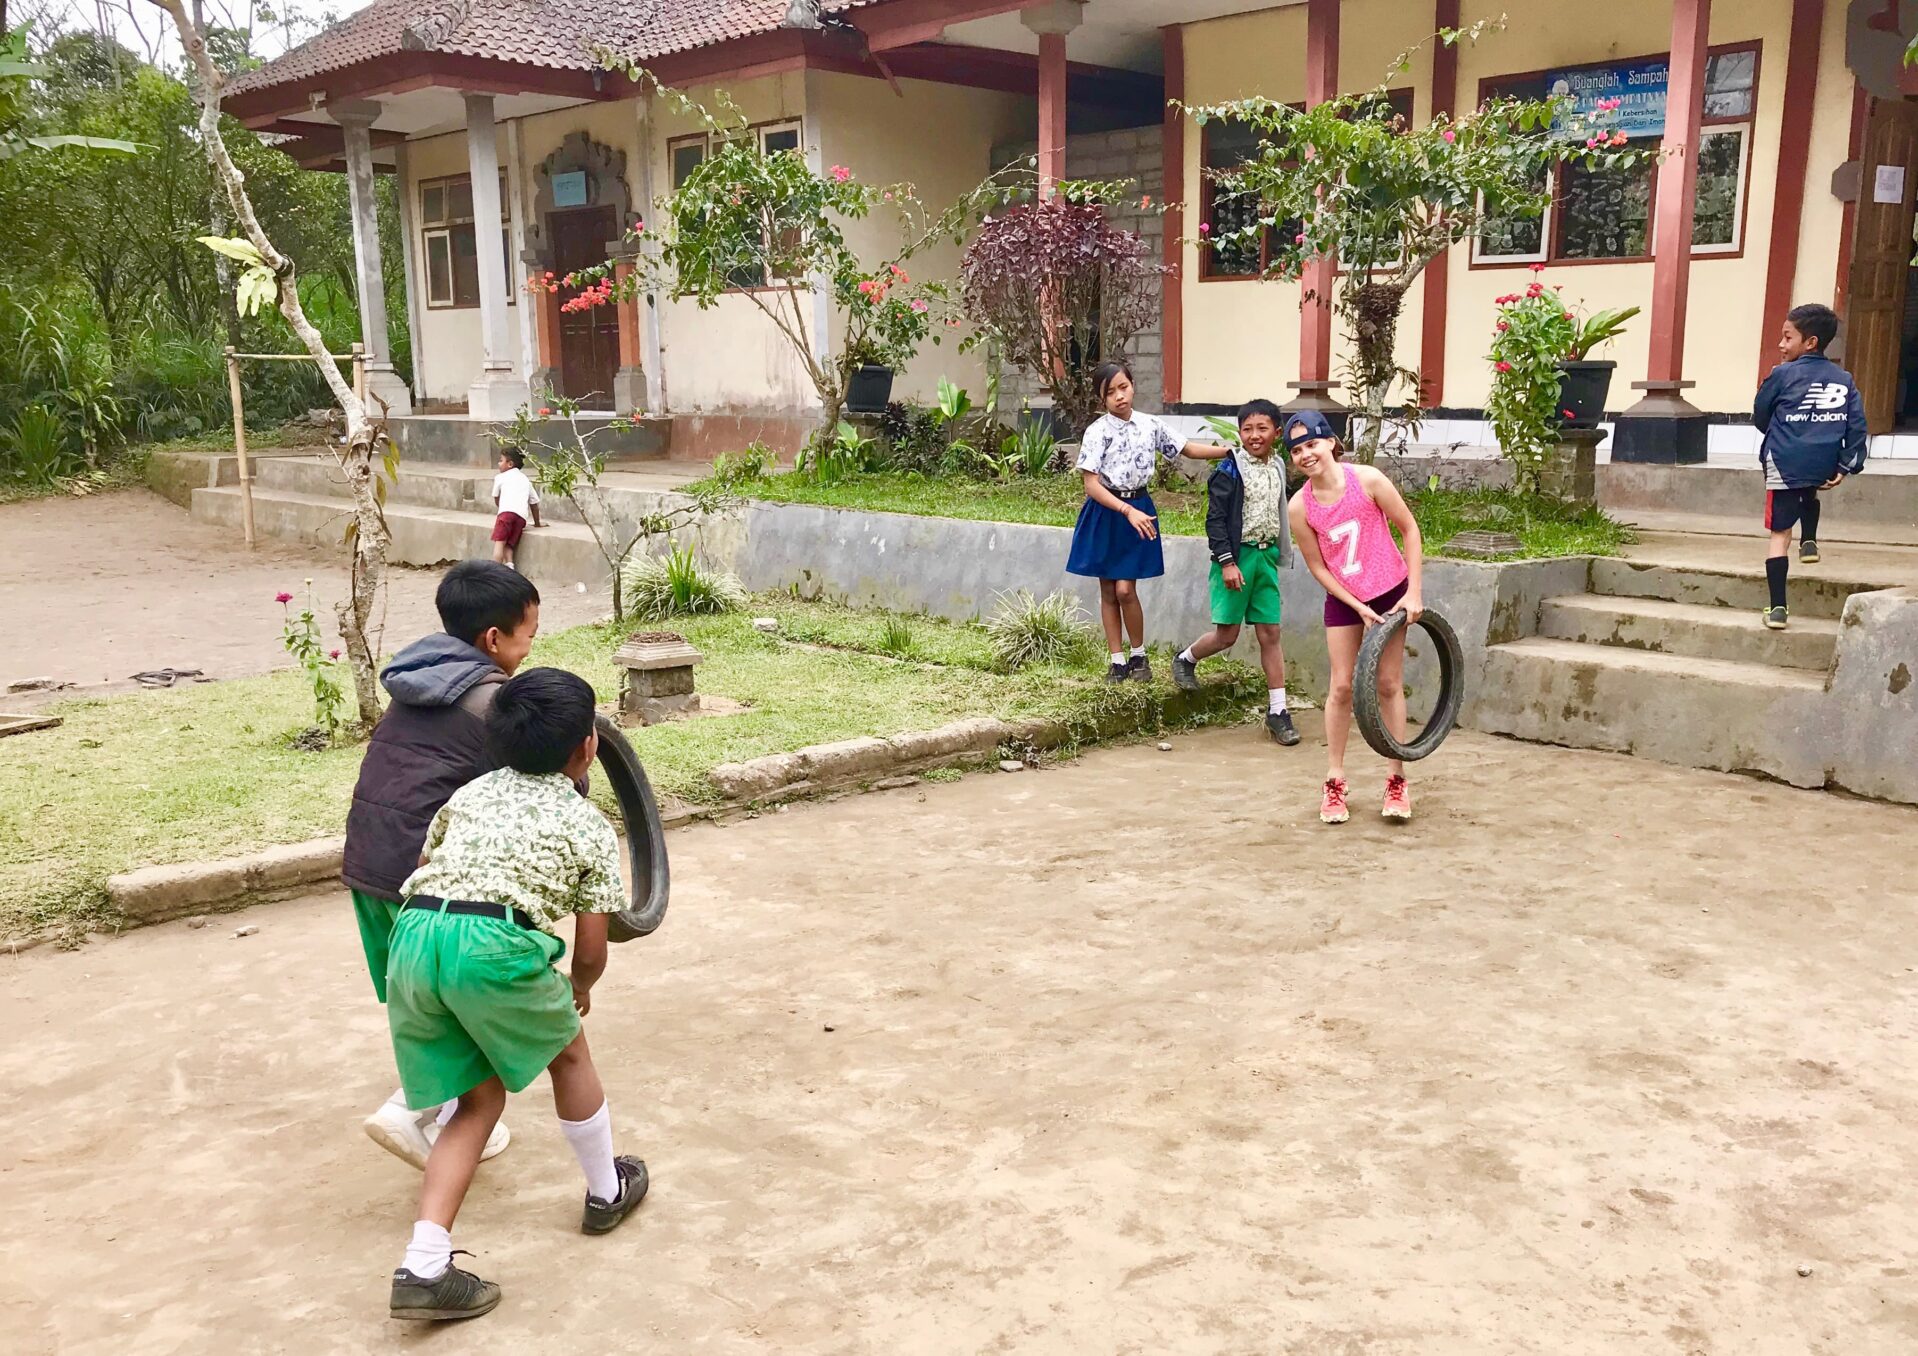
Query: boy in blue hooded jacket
[430, 743]
[1813, 420]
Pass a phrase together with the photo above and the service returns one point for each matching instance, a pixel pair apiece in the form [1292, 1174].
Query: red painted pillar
[1172, 337]
[1794, 155]
[1438, 273]
[1677, 184]
[1321, 83]
[1052, 111]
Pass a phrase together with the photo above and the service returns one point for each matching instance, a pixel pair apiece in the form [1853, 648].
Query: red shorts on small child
[508, 527]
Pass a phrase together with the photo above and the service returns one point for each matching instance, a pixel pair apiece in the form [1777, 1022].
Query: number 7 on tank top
[1346, 534]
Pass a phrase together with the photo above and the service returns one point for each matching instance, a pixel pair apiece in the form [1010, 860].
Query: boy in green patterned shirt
[476, 1007]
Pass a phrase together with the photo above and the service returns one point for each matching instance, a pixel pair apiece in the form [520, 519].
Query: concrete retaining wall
[1876, 500]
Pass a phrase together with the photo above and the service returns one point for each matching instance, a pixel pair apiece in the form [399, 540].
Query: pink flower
[1299, 239]
[898, 273]
[1449, 134]
[1568, 315]
[542, 409]
[1504, 366]
[887, 195]
[549, 275]
[332, 654]
[1567, 414]
[282, 597]
[1504, 325]
[840, 174]
[1205, 228]
[1619, 138]
[919, 307]
[953, 323]
[638, 418]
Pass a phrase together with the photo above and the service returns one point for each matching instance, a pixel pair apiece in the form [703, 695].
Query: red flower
[544, 411]
[1145, 203]
[1568, 315]
[332, 654]
[1619, 138]
[1504, 325]
[1538, 268]
[282, 597]
[1535, 290]
[1568, 414]
[1504, 366]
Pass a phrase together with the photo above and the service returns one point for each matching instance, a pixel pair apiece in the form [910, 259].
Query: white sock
[430, 1252]
[1277, 694]
[1138, 651]
[592, 1141]
[1186, 655]
[1118, 657]
[446, 1112]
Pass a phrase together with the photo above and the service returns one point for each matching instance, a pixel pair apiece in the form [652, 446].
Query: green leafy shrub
[1025, 630]
[677, 584]
[755, 462]
[37, 447]
[898, 639]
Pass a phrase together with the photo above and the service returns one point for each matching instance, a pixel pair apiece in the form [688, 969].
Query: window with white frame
[686, 154]
[1601, 214]
[449, 246]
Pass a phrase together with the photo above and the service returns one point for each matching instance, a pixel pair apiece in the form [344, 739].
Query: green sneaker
[1775, 618]
[451, 1294]
[602, 1217]
[1808, 553]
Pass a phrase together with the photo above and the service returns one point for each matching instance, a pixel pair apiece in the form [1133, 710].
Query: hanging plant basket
[1583, 388]
[870, 389]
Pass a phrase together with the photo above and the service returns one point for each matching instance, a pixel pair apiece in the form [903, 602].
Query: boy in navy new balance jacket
[1813, 420]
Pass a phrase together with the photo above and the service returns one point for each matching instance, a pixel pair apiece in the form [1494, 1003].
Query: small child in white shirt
[515, 499]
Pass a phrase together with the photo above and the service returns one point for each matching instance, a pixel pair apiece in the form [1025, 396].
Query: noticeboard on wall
[1639, 86]
[569, 189]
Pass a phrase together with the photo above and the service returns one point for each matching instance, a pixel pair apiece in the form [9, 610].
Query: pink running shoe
[1398, 800]
[1332, 809]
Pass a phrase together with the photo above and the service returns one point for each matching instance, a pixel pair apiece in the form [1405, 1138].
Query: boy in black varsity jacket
[1250, 538]
[1813, 420]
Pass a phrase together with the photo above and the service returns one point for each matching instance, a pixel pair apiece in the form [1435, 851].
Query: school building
[1792, 165]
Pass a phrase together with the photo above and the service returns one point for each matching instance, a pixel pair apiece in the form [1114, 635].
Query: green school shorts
[376, 917]
[469, 998]
[1258, 601]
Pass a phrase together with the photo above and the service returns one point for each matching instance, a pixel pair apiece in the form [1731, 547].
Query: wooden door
[1881, 261]
[588, 340]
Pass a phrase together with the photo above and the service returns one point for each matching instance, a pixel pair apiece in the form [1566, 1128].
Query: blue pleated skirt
[1104, 546]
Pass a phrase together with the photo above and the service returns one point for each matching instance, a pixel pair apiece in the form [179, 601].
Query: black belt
[499, 911]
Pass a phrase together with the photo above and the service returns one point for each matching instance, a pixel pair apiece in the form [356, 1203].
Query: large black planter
[869, 390]
[1582, 389]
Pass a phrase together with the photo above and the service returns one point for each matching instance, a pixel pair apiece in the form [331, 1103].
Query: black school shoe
[451, 1294]
[1140, 669]
[1185, 673]
[1808, 553]
[1118, 673]
[1278, 724]
[603, 1217]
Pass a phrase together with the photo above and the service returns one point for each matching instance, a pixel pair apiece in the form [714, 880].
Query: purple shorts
[1338, 614]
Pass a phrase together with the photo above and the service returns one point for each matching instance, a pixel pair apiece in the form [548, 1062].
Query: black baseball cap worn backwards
[1305, 425]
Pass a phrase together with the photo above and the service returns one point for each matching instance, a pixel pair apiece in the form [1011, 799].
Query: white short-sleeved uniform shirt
[515, 493]
[1123, 451]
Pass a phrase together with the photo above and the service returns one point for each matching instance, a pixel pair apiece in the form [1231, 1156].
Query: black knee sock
[1775, 568]
[1808, 521]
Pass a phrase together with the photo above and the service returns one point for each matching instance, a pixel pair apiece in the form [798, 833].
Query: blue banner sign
[1639, 88]
[569, 189]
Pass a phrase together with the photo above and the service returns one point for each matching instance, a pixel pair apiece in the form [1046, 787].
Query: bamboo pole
[359, 372]
[239, 444]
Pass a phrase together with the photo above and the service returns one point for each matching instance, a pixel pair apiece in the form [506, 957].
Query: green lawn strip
[205, 772]
[1544, 527]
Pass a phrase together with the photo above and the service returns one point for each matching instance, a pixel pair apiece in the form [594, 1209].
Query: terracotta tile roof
[552, 33]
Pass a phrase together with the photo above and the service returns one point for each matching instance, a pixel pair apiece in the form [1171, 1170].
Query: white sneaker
[495, 1143]
[398, 1131]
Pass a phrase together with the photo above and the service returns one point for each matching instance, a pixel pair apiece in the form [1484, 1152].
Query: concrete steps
[1808, 594]
[1721, 633]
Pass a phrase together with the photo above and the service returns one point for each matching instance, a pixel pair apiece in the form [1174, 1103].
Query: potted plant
[869, 378]
[887, 319]
[1543, 377]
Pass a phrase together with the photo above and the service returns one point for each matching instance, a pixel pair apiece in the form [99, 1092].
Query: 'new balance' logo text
[1830, 395]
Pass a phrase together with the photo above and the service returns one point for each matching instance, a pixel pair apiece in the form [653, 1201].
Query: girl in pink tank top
[1342, 520]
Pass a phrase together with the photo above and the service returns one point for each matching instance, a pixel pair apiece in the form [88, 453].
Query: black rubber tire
[1365, 687]
[645, 836]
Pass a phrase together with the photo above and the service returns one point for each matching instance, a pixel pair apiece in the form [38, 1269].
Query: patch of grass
[1050, 501]
[1545, 527]
[205, 771]
[125, 468]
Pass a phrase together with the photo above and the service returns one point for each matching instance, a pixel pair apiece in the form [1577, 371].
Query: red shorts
[507, 528]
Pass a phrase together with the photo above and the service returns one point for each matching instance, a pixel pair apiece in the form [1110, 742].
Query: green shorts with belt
[1258, 601]
[471, 998]
[376, 917]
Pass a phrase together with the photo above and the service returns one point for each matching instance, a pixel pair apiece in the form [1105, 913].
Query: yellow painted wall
[1228, 58]
[939, 138]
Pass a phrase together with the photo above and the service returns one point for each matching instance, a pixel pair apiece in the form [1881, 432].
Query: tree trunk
[369, 534]
[1372, 309]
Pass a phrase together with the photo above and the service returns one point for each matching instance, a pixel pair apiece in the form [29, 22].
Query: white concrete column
[356, 118]
[500, 388]
[519, 193]
[651, 346]
[812, 129]
[410, 262]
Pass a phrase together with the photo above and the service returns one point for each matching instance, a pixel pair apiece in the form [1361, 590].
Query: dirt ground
[100, 588]
[1127, 1055]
